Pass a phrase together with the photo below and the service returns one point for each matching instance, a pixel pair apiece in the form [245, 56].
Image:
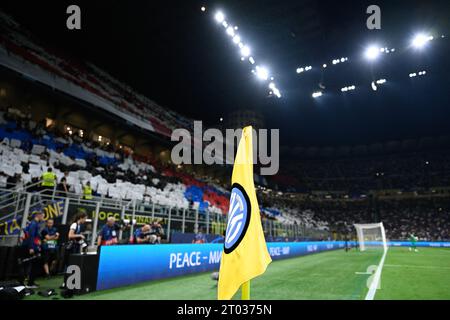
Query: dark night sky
[179, 57]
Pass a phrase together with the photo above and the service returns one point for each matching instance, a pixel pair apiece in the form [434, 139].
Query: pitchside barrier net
[371, 236]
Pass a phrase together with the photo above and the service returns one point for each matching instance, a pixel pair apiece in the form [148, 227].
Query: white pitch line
[412, 266]
[363, 273]
[376, 278]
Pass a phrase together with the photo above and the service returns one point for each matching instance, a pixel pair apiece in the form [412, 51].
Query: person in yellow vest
[87, 191]
[48, 181]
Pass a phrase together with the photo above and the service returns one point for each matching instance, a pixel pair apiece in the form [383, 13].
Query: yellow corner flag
[245, 254]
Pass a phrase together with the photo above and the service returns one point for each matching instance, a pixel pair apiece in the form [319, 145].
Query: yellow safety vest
[48, 179]
[87, 193]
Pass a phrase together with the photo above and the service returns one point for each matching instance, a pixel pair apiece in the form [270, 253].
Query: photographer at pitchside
[108, 234]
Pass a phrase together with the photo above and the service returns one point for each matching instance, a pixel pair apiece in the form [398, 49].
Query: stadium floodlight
[236, 39]
[236, 27]
[372, 53]
[324, 65]
[381, 81]
[342, 59]
[230, 31]
[374, 86]
[203, 9]
[245, 51]
[317, 94]
[349, 88]
[412, 75]
[420, 40]
[262, 73]
[252, 61]
[277, 93]
[220, 17]
[272, 86]
[300, 70]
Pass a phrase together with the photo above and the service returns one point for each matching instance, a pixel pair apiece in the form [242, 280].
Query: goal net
[371, 235]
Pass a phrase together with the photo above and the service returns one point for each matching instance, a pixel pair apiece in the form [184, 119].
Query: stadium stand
[328, 188]
[21, 51]
[27, 150]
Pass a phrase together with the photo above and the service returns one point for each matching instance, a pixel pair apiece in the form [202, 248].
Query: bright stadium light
[245, 51]
[317, 94]
[252, 61]
[324, 65]
[203, 9]
[230, 31]
[374, 86]
[420, 40]
[219, 17]
[236, 39]
[262, 73]
[349, 88]
[277, 93]
[372, 52]
[299, 70]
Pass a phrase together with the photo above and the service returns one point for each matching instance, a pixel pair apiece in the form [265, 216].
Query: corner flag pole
[245, 290]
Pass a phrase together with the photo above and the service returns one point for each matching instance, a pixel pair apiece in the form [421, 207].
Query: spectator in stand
[62, 189]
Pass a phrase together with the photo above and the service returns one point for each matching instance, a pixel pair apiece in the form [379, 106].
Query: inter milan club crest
[238, 218]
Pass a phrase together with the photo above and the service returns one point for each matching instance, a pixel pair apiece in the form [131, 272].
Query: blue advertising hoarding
[130, 264]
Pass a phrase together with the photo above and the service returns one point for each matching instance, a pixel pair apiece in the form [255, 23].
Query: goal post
[371, 235]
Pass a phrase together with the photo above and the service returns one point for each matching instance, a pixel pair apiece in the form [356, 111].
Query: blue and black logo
[238, 218]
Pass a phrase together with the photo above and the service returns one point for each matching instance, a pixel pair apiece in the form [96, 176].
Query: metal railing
[63, 206]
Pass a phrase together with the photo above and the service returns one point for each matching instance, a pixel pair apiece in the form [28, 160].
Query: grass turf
[333, 275]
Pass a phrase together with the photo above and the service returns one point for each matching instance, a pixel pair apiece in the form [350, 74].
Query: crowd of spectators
[405, 171]
[428, 218]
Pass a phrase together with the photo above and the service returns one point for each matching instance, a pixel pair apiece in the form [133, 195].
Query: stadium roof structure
[180, 57]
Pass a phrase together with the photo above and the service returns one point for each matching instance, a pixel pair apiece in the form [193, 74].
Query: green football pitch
[332, 275]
